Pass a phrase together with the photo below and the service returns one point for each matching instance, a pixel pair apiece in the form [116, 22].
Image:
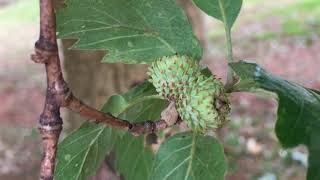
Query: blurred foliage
[298, 18]
[22, 11]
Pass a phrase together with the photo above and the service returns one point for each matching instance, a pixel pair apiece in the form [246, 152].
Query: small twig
[59, 95]
[145, 127]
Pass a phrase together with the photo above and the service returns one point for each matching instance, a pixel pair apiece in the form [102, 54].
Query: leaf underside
[133, 159]
[189, 156]
[298, 110]
[226, 11]
[81, 153]
[132, 31]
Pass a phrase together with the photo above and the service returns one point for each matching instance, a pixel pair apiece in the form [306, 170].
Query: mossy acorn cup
[200, 100]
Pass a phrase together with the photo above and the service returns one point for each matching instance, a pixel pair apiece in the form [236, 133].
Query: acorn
[200, 100]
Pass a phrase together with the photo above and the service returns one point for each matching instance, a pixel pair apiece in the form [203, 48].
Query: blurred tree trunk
[93, 81]
[196, 18]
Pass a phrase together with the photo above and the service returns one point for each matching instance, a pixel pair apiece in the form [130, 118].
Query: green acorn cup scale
[200, 100]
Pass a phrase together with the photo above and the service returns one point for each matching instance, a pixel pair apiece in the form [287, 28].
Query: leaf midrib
[192, 153]
[163, 160]
[147, 32]
[189, 158]
[223, 13]
[89, 148]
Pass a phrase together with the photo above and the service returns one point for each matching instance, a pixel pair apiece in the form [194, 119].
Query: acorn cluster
[200, 99]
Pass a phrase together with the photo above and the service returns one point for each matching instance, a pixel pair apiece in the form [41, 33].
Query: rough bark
[50, 122]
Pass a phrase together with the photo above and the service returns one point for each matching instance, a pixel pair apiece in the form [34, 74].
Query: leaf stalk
[227, 28]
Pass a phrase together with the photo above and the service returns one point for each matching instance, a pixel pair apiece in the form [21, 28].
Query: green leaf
[133, 159]
[139, 104]
[133, 31]
[188, 156]
[298, 112]
[81, 153]
[226, 11]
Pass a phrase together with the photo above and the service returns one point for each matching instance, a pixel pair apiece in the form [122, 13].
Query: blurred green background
[281, 35]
